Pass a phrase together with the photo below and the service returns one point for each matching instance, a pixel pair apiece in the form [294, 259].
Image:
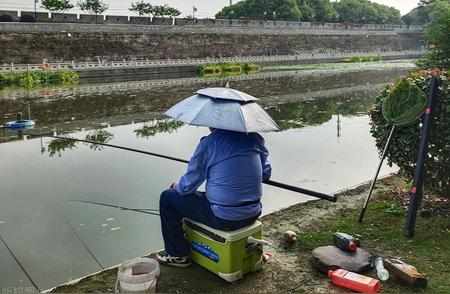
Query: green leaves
[143, 8]
[403, 149]
[33, 78]
[361, 11]
[93, 6]
[57, 5]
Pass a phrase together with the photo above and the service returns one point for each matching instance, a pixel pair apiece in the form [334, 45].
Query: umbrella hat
[227, 93]
[225, 114]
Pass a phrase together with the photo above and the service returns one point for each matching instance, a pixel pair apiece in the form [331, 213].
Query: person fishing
[234, 165]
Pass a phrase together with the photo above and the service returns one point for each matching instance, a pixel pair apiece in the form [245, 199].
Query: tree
[262, 9]
[417, 16]
[364, 11]
[141, 8]
[57, 5]
[93, 6]
[323, 9]
[173, 12]
[437, 36]
[286, 10]
[165, 10]
[306, 10]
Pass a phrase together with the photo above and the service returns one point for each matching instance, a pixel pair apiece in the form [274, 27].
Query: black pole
[4, 118]
[372, 186]
[85, 245]
[151, 211]
[20, 264]
[416, 190]
[331, 198]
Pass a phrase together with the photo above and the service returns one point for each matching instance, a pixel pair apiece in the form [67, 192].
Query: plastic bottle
[382, 273]
[354, 281]
[345, 242]
[406, 273]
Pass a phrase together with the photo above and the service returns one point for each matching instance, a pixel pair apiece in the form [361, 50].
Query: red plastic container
[354, 281]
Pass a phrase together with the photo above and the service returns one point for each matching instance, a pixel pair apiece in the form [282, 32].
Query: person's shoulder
[257, 137]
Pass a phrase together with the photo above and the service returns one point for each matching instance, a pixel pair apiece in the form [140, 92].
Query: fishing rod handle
[323, 196]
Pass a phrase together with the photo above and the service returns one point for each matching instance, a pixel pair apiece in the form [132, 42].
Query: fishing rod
[20, 264]
[323, 196]
[85, 245]
[151, 211]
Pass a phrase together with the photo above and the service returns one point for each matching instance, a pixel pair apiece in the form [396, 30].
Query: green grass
[226, 69]
[382, 233]
[38, 78]
[362, 59]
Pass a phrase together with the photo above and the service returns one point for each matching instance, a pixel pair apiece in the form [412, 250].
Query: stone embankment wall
[31, 43]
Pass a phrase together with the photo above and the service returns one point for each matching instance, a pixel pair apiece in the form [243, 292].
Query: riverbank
[291, 271]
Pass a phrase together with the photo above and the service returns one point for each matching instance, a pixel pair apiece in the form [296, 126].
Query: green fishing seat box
[225, 253]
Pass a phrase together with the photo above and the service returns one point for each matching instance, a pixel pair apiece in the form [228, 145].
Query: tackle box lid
[224, 236]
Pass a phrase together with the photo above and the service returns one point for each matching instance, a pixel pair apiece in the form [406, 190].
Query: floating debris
[2, 222]
[115, 229]
[104, 225]
[110, 219]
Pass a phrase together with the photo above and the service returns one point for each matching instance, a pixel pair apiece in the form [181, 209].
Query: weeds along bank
[38, 78]
[31, 43]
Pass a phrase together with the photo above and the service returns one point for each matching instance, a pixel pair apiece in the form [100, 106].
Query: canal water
[325, 145]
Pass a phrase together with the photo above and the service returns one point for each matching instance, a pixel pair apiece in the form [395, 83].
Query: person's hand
[172, 186]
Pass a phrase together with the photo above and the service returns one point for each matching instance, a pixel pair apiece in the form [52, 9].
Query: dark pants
[173, 208]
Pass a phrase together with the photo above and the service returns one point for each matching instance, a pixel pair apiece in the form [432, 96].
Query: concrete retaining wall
[31, 43]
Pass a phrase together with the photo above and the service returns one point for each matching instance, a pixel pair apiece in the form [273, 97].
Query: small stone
[290, 236]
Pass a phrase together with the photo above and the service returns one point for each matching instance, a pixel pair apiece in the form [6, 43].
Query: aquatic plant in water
[35, 78]
[227, 69]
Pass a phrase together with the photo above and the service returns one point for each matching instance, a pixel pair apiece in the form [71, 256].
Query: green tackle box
[225, 253]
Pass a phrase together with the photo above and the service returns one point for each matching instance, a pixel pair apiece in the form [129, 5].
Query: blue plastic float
[19, 124]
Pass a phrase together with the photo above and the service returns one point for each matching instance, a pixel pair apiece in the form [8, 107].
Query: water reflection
[295, 115]
[57, 146]
[155, 127]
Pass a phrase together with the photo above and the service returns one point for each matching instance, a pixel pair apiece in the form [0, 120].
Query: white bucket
[138, 275]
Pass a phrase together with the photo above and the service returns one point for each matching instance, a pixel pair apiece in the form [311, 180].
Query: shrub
[405, 143]
[212, 69]
[376, 58]
[6, 18]
[233, 68]
[250, 67]
[33, 78]
[27, 18]
[224, 68]
[355, 59]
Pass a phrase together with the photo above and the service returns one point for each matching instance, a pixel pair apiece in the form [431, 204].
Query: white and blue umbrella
[223, 113]
[227, 93]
